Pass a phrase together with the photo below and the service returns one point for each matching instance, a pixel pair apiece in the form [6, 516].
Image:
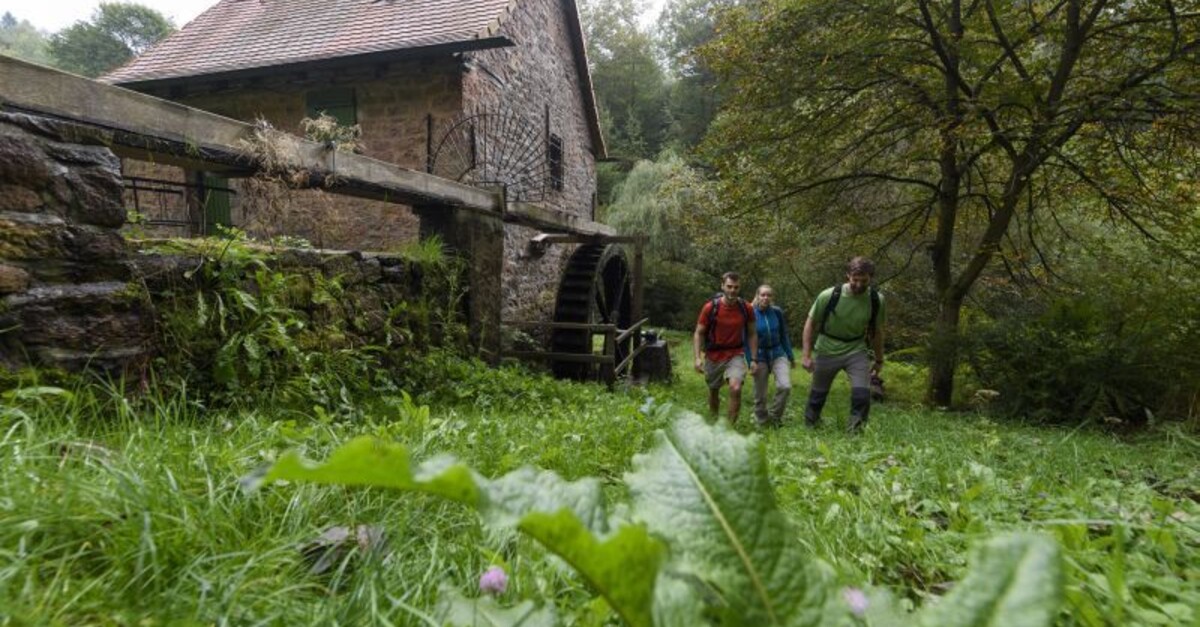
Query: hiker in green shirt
[846, 322]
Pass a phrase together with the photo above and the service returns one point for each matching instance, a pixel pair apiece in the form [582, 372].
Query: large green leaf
[706, 491]
[365, 461]
[567, 517]
[1014, 580]
[622, 567]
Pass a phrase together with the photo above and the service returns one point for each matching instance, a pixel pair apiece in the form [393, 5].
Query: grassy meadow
[124, 508]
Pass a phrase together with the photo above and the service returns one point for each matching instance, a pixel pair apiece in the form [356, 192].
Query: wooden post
[639, 259]
[608, 371]
[635, 307]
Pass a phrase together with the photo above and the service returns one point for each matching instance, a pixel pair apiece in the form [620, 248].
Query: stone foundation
[75, 294]
[65, 296]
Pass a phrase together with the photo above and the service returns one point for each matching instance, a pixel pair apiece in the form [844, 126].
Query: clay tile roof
[245, 34]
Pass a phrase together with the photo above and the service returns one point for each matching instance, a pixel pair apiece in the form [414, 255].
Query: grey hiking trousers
[783, 388]
[858, 367]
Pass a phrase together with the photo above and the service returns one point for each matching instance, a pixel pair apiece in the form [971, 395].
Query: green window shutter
[338, 103]
[217, 203]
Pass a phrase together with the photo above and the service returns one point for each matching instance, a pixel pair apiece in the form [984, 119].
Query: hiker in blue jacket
[774, 357]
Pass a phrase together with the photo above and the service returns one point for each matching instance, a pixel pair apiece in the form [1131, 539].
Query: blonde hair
[758, 291]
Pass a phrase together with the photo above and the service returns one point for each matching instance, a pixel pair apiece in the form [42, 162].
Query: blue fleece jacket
[773, 339]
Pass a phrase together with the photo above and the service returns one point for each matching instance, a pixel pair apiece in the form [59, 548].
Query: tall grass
[123, 508]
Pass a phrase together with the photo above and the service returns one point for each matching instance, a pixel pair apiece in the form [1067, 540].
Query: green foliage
[628, 80]
[658, 199]
[456, 610]
[243, 327]
[108, 494]
[706, 494]
[695, 98]
[23, 40]
[710, 495]
[1016, 580]
[1113, 349]
[117, 32]
[962, 133]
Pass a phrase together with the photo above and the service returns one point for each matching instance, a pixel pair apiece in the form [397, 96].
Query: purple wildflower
[494, 581]
[856, 599]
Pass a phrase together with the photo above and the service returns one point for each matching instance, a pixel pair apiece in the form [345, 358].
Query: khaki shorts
[715, 372]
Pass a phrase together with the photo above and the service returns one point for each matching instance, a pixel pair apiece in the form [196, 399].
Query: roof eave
[401, 54]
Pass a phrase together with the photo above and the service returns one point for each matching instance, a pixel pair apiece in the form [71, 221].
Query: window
[337, 102]
[554, 156]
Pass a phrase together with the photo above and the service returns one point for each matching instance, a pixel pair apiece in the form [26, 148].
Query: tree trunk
[943, 352]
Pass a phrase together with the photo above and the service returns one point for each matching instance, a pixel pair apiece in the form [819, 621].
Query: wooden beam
[570, 326]
[629, 360]
[631, 330]
[571, 357]
[139, 126]
[638, 289]
[580, 238]
[555, 220]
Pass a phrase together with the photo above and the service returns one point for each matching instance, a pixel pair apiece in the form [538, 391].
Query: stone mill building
[495, 93]
[478, 125]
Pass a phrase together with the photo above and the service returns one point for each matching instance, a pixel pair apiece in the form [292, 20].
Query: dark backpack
[832, 305]
[710, 338]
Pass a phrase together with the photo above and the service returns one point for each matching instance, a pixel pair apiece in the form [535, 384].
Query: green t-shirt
[850, 319]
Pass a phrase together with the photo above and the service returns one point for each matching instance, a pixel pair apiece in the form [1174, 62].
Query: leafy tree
[684, 26]
[628, 79]
[117, 32]
[958, 131]
[683, 266]
[22, 40]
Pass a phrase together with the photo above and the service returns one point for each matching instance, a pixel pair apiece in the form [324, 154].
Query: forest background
[1024, 174]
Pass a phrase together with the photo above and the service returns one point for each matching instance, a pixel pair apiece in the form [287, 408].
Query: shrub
[1125, 352]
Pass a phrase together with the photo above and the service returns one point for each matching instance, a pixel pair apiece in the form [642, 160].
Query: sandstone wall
[74, 295]
[394, 102]
[64, 292]
[538, 77]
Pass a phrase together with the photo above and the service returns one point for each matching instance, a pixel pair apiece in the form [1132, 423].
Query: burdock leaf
[706, 491]
[567, 517]
[1014, 580]
[365, 461]
[622, 567]
[527, 490]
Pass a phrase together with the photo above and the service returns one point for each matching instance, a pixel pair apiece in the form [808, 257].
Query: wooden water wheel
[595, 289]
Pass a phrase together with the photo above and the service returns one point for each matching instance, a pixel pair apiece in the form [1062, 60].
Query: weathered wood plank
[571, 357]
[570, 326]
[553, 219]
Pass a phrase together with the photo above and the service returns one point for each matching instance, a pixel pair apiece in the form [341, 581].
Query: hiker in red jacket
[725, 326]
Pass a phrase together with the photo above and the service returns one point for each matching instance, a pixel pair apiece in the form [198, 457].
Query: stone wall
[538, 77]
[64, 292]
[73, 294]
[394, 102]
[346, 298]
